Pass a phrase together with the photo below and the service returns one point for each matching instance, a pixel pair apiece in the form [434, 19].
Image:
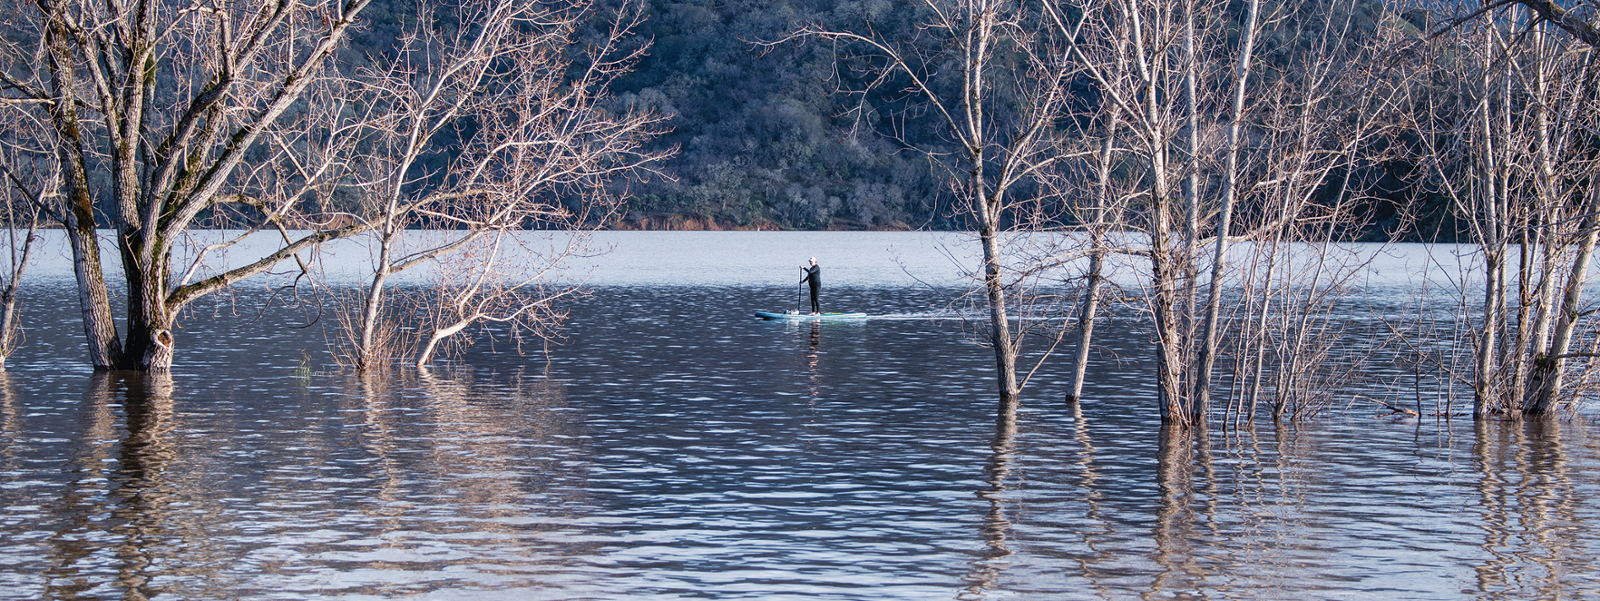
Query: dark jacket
[814, 276]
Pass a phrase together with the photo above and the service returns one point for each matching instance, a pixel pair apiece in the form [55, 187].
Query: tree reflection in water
[1528, 501]
[116, 510]
[396, 483]
[1175, 518]
[1097, 527]
[745, 459]
[995, 529]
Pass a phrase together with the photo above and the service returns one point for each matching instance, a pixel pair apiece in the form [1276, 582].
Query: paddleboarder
[813, 277]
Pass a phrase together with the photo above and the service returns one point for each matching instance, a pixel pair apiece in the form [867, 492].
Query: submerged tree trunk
[1538, 252]
[1005, 354]
[1097, 253]
[1167, 268]
[988, 205]
[367, 350]
[99, 329]
[1209, 336]
[1169, 336]
[1546, 380]
[8, 296]
[1086, 318]
[77, 214]
[149, 333]
[1484, 399]
[1164, 268]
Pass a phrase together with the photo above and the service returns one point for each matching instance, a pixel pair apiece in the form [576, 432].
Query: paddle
[799, 291]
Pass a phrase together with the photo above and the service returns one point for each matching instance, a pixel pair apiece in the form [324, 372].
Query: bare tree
[1286, 133]
[187, 115]
[1506, 128]
[994, 75]
[542, 148]
[171, 108]
[1097, 223]
[1151, 89]
[21, 223]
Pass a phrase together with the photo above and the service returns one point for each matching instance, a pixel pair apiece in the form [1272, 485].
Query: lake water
[672, 446]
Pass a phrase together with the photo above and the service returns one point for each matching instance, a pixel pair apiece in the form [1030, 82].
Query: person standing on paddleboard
[813, 277]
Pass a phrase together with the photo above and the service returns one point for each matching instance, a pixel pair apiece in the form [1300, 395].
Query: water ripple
[696, 452]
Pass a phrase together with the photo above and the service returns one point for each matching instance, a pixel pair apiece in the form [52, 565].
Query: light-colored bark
[1547, 377]
[993, 157]
[21, 250]
[181, 99]
[183, 114]
[1093, 280]
[1516, 171]
[1183, 194]
[542, 129]
[1213, 308]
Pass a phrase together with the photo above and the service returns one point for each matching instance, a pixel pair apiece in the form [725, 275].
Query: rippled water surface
[674, 447]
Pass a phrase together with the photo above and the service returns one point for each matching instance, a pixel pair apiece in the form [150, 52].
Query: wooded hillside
[763, 139]
[766, 139]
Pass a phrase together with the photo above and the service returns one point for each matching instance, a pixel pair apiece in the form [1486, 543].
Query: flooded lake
[672, 446]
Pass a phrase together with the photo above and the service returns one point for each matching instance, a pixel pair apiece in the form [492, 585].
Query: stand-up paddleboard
[808, 317]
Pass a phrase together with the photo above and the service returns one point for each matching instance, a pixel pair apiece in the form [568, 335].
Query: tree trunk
[1546, 379]
[367, 350]
[1208, 340]
[1483, 397]
[1165, 271]
[8, 321]
[1191, 182]
[1483, 400]
[1538, 254]
[1097, 253]
[1169, 359]
[19, 264]
[371, 310]
[989, 209]
[149, 342]
[1005, 354]
[99, 328]
[1086, 317]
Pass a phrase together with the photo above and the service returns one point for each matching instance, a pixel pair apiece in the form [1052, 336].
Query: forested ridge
[765, 135]
[764, 138]
[771, 136]
[775, 135]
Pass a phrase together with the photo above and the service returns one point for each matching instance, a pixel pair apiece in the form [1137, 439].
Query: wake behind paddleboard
[809, 317]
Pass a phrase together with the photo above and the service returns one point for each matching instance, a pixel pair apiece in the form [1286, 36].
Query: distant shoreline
[679, 223]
